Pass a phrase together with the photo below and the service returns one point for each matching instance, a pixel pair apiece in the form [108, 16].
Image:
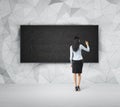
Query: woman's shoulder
[80, 45]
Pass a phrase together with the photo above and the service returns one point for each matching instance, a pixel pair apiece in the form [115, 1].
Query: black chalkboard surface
[51, 43]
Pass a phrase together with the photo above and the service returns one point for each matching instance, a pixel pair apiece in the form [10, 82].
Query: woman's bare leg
[79, 78]
[75, 79]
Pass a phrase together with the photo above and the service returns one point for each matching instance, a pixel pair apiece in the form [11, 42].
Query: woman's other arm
[71, 54]
[84, 48]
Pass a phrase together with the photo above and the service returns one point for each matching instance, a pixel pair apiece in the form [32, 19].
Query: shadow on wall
[5, 76]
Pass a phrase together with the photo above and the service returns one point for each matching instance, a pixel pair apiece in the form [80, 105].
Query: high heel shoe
[78, 87]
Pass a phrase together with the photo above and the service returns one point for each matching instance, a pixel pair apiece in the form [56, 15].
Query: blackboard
[51, 43]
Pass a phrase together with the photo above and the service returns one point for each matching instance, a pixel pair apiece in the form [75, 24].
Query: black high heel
[78, 87]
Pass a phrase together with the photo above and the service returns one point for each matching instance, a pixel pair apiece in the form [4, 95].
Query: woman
[76, 60]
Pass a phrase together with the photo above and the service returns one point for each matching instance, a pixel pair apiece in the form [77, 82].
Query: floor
[59, 95]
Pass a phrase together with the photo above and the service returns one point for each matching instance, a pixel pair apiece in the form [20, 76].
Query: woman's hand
[86, 42]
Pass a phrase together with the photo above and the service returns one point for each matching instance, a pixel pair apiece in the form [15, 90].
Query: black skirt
[77, 66]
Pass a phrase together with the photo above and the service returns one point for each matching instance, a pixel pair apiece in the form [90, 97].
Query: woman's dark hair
[76, 43]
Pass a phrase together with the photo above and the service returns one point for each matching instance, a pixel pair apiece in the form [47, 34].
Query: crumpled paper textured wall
[105, 13]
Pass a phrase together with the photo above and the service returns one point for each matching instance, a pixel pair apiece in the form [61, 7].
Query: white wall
[105, 13]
